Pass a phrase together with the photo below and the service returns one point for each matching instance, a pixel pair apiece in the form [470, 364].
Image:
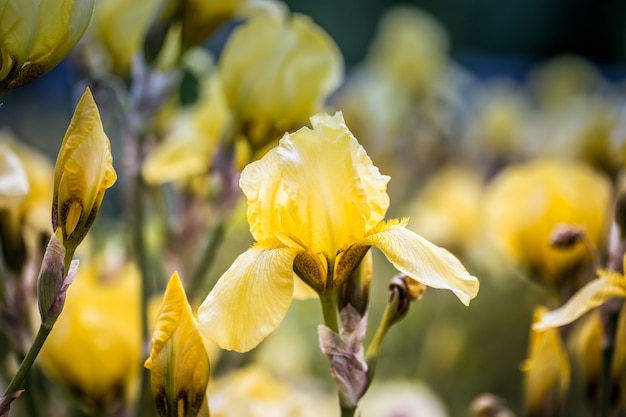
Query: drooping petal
[250, 299]
[317, 184]
[608, 285]
[179, 360]
[423, 261]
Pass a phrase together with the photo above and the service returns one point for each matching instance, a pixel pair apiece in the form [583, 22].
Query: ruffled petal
[423, 261]
[250, 299]
[597, 292]
[319, 185]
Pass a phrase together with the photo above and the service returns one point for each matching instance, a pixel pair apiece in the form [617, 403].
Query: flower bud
[83, 172]
[53, 282]
[39, 35]
[179, 361]
[403, 290]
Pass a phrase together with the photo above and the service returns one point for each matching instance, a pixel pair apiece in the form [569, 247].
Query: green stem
[348, 411]
[207, 258]
[18, 380]
[373, 350]
[329, 310]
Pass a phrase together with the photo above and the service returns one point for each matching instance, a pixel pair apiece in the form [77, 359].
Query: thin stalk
[18, 380]
[207, 258]
[373, 350]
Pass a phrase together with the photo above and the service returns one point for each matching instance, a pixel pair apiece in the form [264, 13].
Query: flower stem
[373, 350]
[18, 380]
[348, 411]
[329, 309]
[207, 258]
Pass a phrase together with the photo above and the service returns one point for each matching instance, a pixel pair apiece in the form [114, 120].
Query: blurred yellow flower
[35, 35]
[316, 204]
[119, 27]
[189, 146]
[255, 392]
[35, 207]
[501, 120]
[547, 369]
[562, 80]
[83, 172]
[14, 186]
[410, 48]
[526, 202]
[202, 18]
[276, 73]
[401, 398]
[94, 349]
[435, 213]
[178, 361]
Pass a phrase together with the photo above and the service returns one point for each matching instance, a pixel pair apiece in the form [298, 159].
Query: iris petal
[609, 285]
[423, 261]
[250, 299]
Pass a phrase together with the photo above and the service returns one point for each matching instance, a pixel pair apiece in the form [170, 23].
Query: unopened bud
[52, 283]
[565, 236]
[403, 290]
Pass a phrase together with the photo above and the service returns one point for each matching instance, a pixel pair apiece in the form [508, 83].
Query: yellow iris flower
[179, 362]
[316, 204]
[83, 172]
[277, 72]
[193, 137]
[36, 35]
[525, 203]
[95, 345]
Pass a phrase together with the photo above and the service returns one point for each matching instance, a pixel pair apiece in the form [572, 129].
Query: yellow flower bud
[83, 171]
[94, 348]
[277, 73]
[36, 35]
[179, 360]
